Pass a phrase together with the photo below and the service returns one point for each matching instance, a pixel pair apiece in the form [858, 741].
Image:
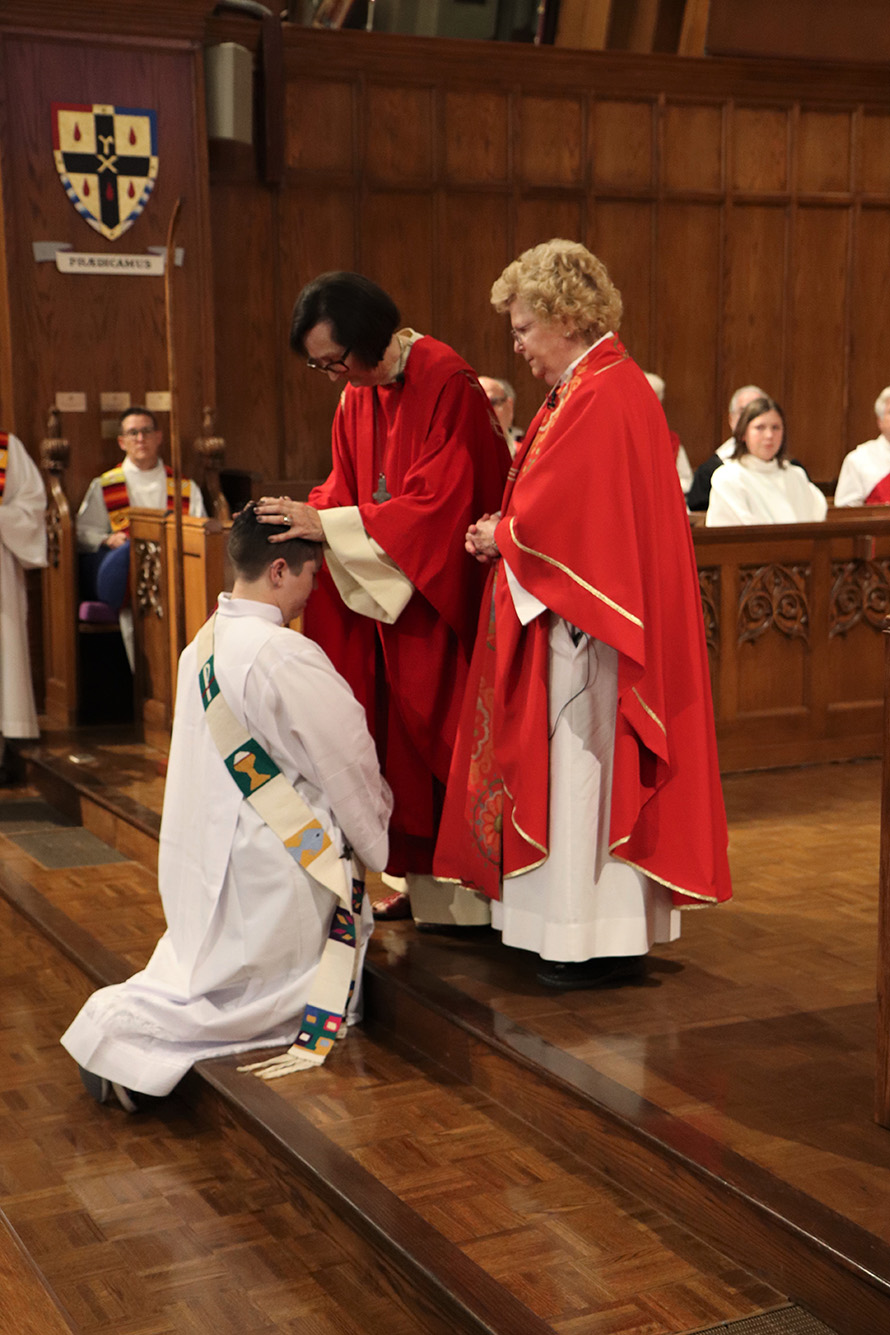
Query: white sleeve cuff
[526, 604]
[369, 582]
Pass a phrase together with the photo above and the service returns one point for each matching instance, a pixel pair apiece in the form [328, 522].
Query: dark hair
[136, 411]
[754, 409]
[251, 552]
[362, 316]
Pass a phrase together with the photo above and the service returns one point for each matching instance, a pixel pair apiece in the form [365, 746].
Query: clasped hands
[302, 519]
[479, 540]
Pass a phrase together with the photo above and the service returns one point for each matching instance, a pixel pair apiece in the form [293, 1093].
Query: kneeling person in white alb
[272, 779]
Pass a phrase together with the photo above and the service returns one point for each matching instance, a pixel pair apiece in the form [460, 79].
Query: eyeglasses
[134, 432]
[338, 367]
[518, 335]
[496, 401]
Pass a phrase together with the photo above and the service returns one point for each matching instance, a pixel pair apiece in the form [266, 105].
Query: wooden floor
[753, 1035]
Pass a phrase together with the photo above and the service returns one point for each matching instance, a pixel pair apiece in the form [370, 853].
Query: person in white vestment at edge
[22, 547]
[758, 485]
[699, 491]
[681, 458]
[502, 397]
[864, 478]
[103, 520]
[255, 937]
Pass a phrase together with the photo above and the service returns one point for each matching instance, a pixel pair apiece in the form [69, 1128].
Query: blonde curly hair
[561, 281]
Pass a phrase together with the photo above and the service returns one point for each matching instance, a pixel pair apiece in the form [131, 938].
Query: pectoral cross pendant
[381, 494]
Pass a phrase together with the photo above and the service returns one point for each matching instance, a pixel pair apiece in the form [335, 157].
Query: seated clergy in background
[758, 485]
[864, 478]
[415, 450]
[502, 397]
[22, 547]
[681, 458]
[584, 796]
[272, 779]
[103, 520]
[699, 492]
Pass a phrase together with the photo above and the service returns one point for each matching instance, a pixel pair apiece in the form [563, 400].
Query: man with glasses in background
[415, 447]
[103, 520]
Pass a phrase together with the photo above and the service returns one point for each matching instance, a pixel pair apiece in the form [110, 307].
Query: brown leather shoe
[392, 907]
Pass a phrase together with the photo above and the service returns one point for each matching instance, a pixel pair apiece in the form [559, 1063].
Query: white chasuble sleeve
[369, 582]
[526, 604]
[23, 508]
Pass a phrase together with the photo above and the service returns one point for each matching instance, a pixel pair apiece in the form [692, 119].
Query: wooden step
[457, 1212]
[838, 1270]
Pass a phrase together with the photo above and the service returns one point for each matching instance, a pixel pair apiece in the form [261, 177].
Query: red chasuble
[879, 494]
[433, 437]
[595, 527]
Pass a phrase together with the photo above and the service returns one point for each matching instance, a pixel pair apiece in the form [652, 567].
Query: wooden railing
[793, 621]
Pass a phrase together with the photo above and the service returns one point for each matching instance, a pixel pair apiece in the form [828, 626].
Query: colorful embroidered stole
[4, 455]
[117, 498]
[287, 814]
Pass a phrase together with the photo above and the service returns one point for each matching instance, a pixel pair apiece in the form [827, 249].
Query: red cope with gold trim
[594, 526]
[117, 498]
[434, 437]
[4, 456]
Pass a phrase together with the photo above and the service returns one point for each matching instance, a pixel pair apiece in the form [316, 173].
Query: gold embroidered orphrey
[107, 160]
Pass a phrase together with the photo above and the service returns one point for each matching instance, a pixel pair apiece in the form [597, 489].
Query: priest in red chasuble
[417, 455]
[584, 796]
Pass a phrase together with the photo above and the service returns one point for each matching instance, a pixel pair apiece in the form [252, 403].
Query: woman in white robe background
[758, 485]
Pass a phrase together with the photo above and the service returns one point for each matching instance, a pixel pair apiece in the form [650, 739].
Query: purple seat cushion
[97, 614]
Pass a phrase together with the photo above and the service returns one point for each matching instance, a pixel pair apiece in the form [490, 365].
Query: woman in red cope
[584, 796]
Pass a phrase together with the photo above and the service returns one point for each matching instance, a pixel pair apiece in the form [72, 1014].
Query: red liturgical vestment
[594, 527]
[421, 458]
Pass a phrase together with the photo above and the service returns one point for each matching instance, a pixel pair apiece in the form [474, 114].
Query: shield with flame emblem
[107, 160]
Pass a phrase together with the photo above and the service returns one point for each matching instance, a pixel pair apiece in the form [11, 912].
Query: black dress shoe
[12, 767]
[608, 971]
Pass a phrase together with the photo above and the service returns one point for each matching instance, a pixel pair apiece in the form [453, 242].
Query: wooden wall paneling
[552, 149]
[816, 343]
[400, 143]
[541, 217]
[621, 138]
[397, 239]
[99, 333]
[251, 337]
[870, 324]
[472, 249]
[475, 137]
[317, 228]
[621, 235]
[874, 154]
[692, 147]
[319, 125]
[688, 316]
[7, 251]
[755, 301]
[823, 152]
[759, 149]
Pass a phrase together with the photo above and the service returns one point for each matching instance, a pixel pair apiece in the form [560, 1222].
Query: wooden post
[175, 438]
[59, 582]
[882, 1073]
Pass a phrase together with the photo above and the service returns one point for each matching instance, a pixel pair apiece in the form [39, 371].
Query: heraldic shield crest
[107, 159]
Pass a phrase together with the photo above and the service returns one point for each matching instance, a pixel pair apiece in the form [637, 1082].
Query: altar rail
[793, 620]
